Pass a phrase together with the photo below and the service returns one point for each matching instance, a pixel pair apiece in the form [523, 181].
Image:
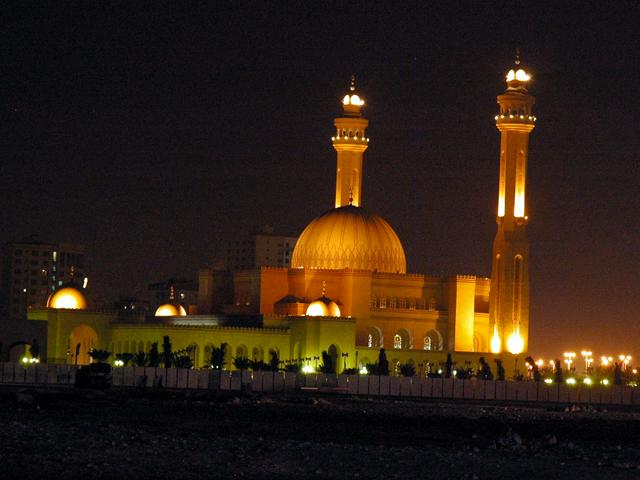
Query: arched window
[427, 343]
[397, 341]
[370, 340]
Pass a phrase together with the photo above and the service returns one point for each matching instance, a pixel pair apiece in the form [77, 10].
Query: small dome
[323, 307]
[170, 310]
[349, 237]
[67, 297]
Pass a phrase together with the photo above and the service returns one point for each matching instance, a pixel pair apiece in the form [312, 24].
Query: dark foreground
[80, 435]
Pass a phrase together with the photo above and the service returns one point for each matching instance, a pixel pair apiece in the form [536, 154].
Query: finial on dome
[324, 288]
[352, 101]
[351, 195]
[171, 293]
[517, 77]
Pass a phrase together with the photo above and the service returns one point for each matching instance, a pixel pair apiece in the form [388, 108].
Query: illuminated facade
[355, 258]
[510, 267]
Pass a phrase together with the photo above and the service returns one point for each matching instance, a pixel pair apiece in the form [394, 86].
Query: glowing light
[170, 310]
[571, 381]
[85, 282]
[518, 206]
[353, 100]
[519, 75]
[568, 358]
[501, 207]
[455, 372]
[118, 363]
[604, 381]
[587, 381]
[67, 297]
[515, 343]
[540, 363]
[495, 340]
[548, 381]
[317, 309]
[25, 360]
[364, 371]
[307, 369]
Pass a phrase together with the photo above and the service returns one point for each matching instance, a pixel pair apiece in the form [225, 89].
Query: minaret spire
[509, 296]
[350, 144]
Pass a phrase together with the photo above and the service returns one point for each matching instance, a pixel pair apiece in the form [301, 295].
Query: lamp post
[568, 359]
[625, 359]
[586, 354]
[345, 355]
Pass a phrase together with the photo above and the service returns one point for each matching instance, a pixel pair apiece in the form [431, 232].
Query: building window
[397, 341]
[427, 343]
[383, 302]
[370, 340]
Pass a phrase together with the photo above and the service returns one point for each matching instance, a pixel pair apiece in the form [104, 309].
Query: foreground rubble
[73, 434]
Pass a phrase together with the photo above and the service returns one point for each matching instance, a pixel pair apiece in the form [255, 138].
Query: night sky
[153, 135]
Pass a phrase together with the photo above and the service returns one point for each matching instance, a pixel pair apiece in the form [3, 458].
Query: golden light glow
[353, 100]
[67, 297]
[317, 309]
[307, 369]
[515, 343]
[169, 310]
[323, 307]
[501, 207]
[519, 75]
[495, 341]
[518, 206]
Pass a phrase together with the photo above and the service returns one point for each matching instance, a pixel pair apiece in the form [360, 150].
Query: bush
[154, 355]
[99, 356]
[327, 364]
[241, 363]
[217, 357]
[140, 359]
[125, 357]
[407, 369]
[293, 367]
[350, 371]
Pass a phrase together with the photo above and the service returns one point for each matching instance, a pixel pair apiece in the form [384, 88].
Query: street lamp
[345, 355]
[568, 359]
[625, 359]
[588, 359]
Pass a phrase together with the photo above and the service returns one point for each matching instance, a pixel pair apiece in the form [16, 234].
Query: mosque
[347, 291]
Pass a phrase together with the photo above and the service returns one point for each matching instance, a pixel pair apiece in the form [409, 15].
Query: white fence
[372, 385]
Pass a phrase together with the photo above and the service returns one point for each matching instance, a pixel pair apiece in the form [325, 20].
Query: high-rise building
[264, 249]
[33, 269]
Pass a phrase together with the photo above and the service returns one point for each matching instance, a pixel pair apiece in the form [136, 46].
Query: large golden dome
[67, 297]
[349, 237]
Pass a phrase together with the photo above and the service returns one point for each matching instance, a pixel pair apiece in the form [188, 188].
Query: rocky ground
[118, 434]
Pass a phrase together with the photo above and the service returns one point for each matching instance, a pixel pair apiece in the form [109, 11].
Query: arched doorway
[374, 337]
[82, 339]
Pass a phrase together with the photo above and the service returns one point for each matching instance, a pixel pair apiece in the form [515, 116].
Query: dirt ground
[117, 434]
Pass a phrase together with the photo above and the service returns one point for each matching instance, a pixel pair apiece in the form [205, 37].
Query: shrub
[407, 369]
[99, 356]
[125, 357]
[154, 355]
[241, 363]
[327, 363]
[217, 356]
[140, 359]
[383, 363]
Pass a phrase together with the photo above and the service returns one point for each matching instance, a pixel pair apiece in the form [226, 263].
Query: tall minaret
[509, 298]
[350, 143]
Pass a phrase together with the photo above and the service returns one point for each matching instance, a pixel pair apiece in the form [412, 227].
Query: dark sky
[152, 134]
